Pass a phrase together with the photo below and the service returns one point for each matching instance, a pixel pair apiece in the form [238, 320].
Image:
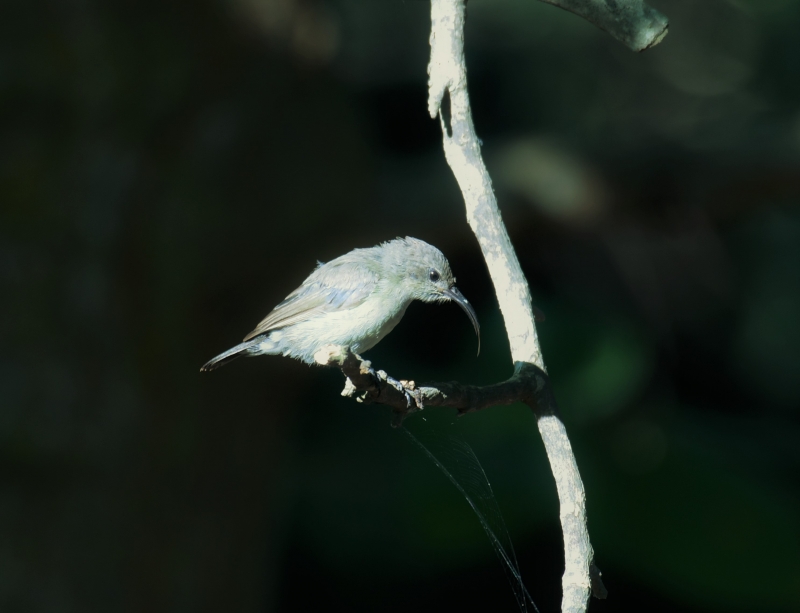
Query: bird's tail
[231, 354]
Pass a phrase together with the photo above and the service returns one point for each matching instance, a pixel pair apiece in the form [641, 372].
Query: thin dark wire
[510, 564]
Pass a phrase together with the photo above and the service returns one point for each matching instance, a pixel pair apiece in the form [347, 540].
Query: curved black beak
[458, 297]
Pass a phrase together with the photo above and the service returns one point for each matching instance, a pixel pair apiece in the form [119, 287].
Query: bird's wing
[338, 285]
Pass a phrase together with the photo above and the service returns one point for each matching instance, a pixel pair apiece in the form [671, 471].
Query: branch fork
[639, 27]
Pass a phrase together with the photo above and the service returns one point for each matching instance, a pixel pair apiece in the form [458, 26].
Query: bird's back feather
[341, 284]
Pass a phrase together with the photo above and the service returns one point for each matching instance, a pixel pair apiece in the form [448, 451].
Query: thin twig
[632, 22]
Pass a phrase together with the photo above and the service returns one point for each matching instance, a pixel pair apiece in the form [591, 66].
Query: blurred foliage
[171, 170]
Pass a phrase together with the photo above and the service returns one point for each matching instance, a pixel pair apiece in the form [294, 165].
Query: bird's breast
[381, 327]
[360, 328]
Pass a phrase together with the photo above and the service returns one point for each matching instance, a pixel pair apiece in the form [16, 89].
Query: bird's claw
[371, 383]
[407, 388]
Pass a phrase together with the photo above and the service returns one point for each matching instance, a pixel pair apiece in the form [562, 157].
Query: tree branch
[638, 26]
[448, 99]
[632, 22]
[364, 384]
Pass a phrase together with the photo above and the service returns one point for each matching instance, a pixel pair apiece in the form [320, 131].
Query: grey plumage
[354, 300]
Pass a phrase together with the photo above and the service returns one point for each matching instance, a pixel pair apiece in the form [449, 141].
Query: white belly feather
[360, 328]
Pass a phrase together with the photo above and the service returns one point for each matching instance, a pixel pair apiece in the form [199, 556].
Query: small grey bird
[354, 300]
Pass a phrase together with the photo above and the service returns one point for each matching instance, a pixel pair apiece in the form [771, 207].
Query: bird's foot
[412, 396]
[407, 388]
[400, 386]
[367, 385]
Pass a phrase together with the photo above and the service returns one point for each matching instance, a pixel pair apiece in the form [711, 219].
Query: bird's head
[425, 274]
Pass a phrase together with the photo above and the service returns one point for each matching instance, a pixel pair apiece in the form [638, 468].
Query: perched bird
[354, 300]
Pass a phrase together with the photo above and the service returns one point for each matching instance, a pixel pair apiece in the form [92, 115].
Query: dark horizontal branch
[368, 385]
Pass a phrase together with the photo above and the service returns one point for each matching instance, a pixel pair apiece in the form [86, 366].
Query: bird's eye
[433, 275]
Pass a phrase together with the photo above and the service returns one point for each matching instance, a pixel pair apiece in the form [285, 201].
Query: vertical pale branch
[449, 100]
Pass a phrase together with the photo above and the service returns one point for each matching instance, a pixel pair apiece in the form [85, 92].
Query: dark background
[171, 169]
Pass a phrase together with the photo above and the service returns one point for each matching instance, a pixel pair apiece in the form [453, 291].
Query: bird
[353, 301]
